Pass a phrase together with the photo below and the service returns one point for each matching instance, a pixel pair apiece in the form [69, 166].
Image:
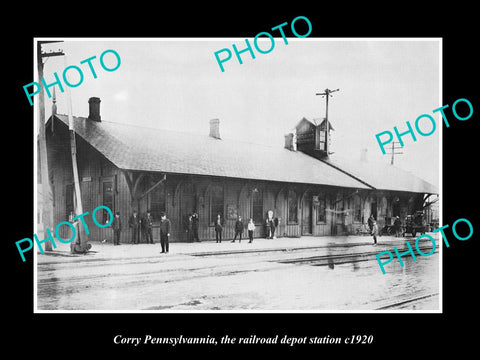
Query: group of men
[145, 223]
[191, 224]
[219, 225]
[270, 225]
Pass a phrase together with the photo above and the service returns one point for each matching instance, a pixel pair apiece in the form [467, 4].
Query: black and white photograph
[253, 186]
[218, 179]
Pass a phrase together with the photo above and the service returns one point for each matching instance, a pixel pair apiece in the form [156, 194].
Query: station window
[321, 209]
[322, 140]
[157, 201]
[216, 202]
[257, 206]
[292, 207]
[357, 209]
[107, 194]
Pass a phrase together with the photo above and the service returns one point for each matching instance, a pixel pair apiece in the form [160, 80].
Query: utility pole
[326, 94]
[393, 151]
[80, 244]
[47, 194]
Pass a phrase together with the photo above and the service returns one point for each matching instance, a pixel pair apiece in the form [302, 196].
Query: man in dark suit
[195, 224]
[165, 227]
[147, 223]
[397, 226]
[238, 229]
[117, 228]
[370, 222]
[134, 224]
[218, 228]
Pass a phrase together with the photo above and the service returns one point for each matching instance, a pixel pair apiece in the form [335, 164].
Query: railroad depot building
[128, 167]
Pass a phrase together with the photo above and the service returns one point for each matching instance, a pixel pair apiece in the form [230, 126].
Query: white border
[35, 116]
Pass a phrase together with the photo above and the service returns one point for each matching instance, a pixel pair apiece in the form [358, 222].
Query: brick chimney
[94, 109]
[289, 142]
[215, 128]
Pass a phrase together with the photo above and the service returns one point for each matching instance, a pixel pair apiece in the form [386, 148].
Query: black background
[60, 335]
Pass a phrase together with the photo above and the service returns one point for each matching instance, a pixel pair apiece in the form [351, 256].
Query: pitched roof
[314, 122]
[133, 147]
[383, 176]
[323, 121]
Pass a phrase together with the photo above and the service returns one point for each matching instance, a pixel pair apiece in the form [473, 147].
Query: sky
[177, 84]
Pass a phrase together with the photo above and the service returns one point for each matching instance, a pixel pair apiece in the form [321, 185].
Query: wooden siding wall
[60, 165]
[93, 170]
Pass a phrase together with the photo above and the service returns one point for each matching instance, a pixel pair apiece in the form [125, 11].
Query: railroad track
[409, 301]
[279, 249]
[48, 283]
[101, 261]
[202, 270]
[340, 258]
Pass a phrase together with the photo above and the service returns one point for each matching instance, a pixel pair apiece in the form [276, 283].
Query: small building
[127, 167]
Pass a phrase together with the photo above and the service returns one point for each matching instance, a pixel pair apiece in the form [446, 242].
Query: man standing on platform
[397, 226]
[370, 222]
[165, 226]
[147, 224]
[134, 224]
[218, 225]
[195, 223]
[117, 228]
[374, 232]
[238, 229]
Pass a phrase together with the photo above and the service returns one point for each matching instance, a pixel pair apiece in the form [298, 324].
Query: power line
[393, 153]
[47, 194]
[326, 94]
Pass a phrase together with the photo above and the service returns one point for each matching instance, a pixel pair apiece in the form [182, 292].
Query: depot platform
[106, 250]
